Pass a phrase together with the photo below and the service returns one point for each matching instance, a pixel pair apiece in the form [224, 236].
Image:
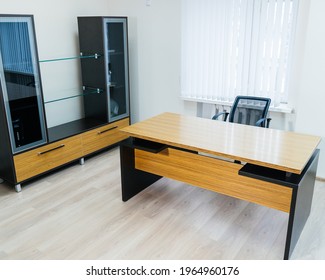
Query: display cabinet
[106, 37]
[29, 147]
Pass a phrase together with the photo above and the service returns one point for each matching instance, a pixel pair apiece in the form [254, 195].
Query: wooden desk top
[282, 150]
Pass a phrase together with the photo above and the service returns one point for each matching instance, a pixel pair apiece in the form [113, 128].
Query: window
[237, 47]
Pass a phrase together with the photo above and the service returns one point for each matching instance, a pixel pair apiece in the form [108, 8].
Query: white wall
[154, 41]
[311, 83]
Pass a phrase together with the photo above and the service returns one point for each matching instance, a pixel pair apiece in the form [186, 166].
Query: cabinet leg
[18, 188]
[82, 161]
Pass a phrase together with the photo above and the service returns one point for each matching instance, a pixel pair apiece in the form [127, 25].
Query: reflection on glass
[117, 73]
[20, 82]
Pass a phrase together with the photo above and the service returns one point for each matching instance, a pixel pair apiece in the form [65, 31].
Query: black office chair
[248, 110]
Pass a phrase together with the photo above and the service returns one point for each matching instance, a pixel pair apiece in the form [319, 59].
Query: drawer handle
[50, 150]
[106, 130]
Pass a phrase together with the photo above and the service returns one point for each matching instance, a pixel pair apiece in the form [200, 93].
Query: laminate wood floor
[77, 213]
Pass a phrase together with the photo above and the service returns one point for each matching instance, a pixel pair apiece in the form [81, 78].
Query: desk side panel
[301, 205]
[133, 181]
[215, 175]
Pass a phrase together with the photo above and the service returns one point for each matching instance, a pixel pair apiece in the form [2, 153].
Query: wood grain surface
[215, 175]
[282, 150]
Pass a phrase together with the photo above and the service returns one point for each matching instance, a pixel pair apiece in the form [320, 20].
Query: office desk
[277, 170]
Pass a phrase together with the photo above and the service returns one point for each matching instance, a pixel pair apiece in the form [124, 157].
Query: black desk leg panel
[301, 201]
[302, 194]
[133, 181]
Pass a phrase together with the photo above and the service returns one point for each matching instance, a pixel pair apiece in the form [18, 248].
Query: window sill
[282, 108]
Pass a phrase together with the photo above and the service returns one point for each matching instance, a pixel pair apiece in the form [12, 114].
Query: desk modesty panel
[278, 168]
[281, 150]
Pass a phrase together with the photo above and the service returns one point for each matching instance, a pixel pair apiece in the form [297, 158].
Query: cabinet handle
[106, 130]
[50, 150]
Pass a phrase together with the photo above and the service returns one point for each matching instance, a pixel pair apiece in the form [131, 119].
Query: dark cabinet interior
[25, 121]
[20, 83]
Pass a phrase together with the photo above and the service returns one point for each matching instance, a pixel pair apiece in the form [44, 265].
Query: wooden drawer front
[45, 158]
[103, 136]
[213, 174]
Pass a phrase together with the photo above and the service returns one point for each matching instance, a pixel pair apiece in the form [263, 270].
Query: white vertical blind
[237, 47]
[15, 47]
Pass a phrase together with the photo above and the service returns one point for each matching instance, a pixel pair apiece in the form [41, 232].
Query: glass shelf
[72, 57]
[87, 91]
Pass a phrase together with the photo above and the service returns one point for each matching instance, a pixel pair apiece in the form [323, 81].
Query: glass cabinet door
[115, 34]
[20, 82]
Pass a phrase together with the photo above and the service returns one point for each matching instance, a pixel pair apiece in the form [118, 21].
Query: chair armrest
[225, 116]
[264, 122]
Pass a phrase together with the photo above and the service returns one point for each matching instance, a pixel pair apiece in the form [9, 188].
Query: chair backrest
[249, 109]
